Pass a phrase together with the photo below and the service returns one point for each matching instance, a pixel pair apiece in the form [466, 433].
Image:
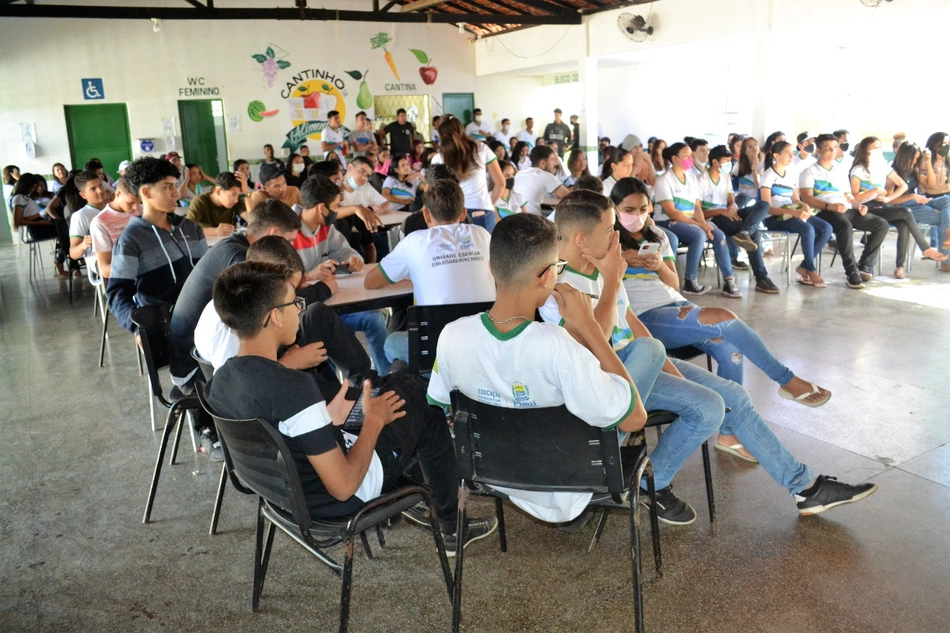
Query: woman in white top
[473, 162]
[576, 166]
[747, 175]
[60, 176]
[618, 163]
[874, 183]
[26, 213]
[787, 212]
[520, 155]
[402, 183]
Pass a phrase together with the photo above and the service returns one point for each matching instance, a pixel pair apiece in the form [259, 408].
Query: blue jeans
[814, 233]
[936, 213]
[745, 423]
[671, 236]
[397, 346]
[643, 357]
[751, 218]
[373, 326]
[695, 240]
[484, 219]
[737, 341]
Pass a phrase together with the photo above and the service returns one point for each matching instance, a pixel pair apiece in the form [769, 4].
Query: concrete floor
[76, 456]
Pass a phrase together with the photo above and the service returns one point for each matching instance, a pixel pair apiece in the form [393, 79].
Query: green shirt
[209, 215]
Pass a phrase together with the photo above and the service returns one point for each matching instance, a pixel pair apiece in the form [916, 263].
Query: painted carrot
[380, 40]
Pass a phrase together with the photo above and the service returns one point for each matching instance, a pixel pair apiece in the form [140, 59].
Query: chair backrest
[153, 324]
[260, 462]
[426, 324]
[207, 369]
[544, 449]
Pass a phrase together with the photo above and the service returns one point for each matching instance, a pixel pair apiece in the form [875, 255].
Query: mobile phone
[342, 269]
[649, 248]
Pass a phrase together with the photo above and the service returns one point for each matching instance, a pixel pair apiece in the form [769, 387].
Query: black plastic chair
[207, 371]
[513, 448]
[260, 463]
[425, 325]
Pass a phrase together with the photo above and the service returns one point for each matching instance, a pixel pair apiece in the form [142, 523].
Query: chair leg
[216, 513]
[191, 429]
[601, 523]
[635, 556]
[436, 530]
[365, 541]
[500, 515]
[138, 357]
[459, 555]
[707, 470]
[174, 456]
[102, 341]
[347, 584]
[654, 521]
[258, 556]
[268, 548]
[151, 404]
[170, 423]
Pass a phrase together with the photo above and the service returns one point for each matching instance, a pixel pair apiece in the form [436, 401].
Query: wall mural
[380, 40]
[270, 62]
[428, 72]
[257, 111]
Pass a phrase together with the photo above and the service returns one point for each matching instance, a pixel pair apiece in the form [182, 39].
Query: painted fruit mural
[364, 98]
[380, 40]
[428, 72]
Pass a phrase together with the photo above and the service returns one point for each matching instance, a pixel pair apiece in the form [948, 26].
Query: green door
[459, 104]
[99, 131]
[202, 134]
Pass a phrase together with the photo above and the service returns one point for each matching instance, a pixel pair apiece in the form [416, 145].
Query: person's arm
[104, 263]
[394, 267]
[766, 195]
[865, 196]
[375, 279]
[497, 179]
[341, 251]
[808, 197]
[78, 246]
[19, 219]
[315, 293]
[927, 177]
[896, 188]
[387, 193]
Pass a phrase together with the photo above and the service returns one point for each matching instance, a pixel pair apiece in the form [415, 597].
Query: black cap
[268, 171]
[804, 136]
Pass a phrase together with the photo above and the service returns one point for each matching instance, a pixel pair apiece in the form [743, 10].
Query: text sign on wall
[560, 78]
[92, 89]
[197, 88]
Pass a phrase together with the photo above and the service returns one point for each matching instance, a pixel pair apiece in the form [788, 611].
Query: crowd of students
[496, 219]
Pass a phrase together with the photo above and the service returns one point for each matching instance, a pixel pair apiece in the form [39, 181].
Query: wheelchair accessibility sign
[92, 89]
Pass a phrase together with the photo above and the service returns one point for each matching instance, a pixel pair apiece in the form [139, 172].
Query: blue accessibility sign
[92, 89]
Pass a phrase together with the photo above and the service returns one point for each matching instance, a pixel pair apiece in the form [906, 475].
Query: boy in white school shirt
[528, 135]
[538, 183]
[477, 130]
[92, 190]
[332, 139]
[448, 263]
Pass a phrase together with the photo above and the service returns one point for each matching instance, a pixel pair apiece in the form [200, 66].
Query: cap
[804, 136]
[171, 155]
[268, 171]
[558, 111]
[630, 141]
[574, 116]
[124, 164]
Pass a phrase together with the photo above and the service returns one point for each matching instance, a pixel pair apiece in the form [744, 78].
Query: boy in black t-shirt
[339, 472]
[401, 133]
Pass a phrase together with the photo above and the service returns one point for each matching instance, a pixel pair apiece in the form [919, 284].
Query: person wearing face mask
[805, 156]
[842, 157]
[476, 129]
[503, 135]
[537, 183]
[876, 184]
[510, 201]
[680, 210]
[296, 170]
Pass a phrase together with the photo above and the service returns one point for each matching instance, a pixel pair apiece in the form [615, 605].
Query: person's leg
[397, 347]
[823, 232]
[643, 358]
[842, 228]
[484, 219]
[907, 228]
[805, 232]
[942, 205]
[754, 215]
[373, 326]
[671, 236]
[694, 238]
[744, 423]
[320, 323]
[876, 228]
[722, 253]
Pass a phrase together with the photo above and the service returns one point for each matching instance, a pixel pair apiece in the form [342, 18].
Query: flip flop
[815, 389]
[805, 281]
[734, 451]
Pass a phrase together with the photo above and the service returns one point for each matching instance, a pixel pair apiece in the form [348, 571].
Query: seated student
[353, 226]
[618, 163]
[270, 217]
[680, 210]
[108, 225]
[870, 173]
[824, 186]
[804, 154]
[590, 245]
[787, 212]
[339, 472]
[155, 253]
[401, 184]
[322, 335]
[274, 186]
[510, 201]
[549, 367]
[27, 213]
[538, 184]
[361, 199]
[92, 191]
[95, 166]
[909, 163]
[216, 212]
[448, 263]
[740, 225]
[322, 248]
[242, 170]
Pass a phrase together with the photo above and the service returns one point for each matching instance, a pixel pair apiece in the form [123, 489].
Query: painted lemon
[312, 100]
[254, 109]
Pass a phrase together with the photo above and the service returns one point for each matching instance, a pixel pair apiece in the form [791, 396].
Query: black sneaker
[742, 239]
[670, 508]
[692, 287]
[854, 281]
[765, 285]
[475, 529]
[737, 265]
[730, 290]
[828, 492]
[211, 447]
[418, 515]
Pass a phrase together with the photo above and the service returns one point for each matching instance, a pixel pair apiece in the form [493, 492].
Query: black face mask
[330, 218]
[844, 146]
[509, 183]
[810, 148]
[943, 150]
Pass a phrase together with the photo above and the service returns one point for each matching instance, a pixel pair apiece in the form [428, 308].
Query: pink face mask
[687, 163]
[633, 222]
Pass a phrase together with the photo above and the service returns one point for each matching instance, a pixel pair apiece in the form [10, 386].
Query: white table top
[394, 218]
[214, 239]
[352, 293]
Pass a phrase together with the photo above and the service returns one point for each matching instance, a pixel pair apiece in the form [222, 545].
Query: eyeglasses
[558, 268]
[300, 302]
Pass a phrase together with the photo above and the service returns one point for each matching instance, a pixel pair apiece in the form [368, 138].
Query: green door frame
[460, 104]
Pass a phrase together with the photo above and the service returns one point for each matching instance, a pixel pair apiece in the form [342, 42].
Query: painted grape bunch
[270, 65]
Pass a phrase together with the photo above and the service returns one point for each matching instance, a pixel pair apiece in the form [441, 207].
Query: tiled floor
[76, 455]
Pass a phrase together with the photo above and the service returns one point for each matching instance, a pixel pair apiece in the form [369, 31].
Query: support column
[589, 85]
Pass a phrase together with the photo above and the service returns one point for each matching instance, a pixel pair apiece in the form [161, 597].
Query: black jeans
[57, 229]
[751, 218]
[843, 224]
[320, 323]
[423, 433]
[903, 219]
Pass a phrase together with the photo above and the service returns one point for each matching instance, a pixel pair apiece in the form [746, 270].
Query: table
[353, 297]
[393, 218]
[214, 239]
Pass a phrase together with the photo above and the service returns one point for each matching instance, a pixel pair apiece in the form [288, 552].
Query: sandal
[735, 452]
[805, 281]
[815, 390]
[817, 280]
[934, 254]
[899, 273]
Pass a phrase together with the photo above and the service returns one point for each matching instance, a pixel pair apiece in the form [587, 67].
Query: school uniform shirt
[592, 285]
[289, 400]
[714, 194]
[315, 247]
[746, 184]
[845, 161]
[363, 196]
[107, 227]
[214, 341]
[609, 183]
[514, 203]
[402, 189]
[782, 187]
[535, 185]
[504, 137]
[475, 185]
[30, 208]
[80, 222]
[447, 264]
[477, 131]
[528, 137]
[329, 135]
[828, 185]
[682, 193]
[209, 215]
[870, 179]
[801, 164]
[533, 365]
[644, 288]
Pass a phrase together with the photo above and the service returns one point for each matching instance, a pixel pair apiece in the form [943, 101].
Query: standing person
[558, 132]
[825, 186]
[402, 183]
[538, 184]
[575, 132]
[476, 129]
[60, 176]
[270, 159]
[217, 211]
[362, 139]
[787, 212]
[331, 139]
[108, 225]
[296, 170]
[26, 213]
[401, 133]
[681, 211]
[876, 184]
[504, 134]
[474, 164]
[527, 135]
[576, 167]
[910, 163]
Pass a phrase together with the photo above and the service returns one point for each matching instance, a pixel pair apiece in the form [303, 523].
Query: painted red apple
[429, 73]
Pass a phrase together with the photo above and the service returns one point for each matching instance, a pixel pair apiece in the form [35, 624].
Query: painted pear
[365, 98]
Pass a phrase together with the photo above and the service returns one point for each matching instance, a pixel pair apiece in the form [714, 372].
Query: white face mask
[298, 168]
[726, 168]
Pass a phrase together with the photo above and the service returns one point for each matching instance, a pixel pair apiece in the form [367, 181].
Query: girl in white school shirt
[618, 164]
[402, 183]
[747, 175]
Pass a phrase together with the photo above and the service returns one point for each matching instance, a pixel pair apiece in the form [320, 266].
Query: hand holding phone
[649, 248]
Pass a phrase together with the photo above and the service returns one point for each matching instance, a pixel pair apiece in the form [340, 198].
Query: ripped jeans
[738, 341]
